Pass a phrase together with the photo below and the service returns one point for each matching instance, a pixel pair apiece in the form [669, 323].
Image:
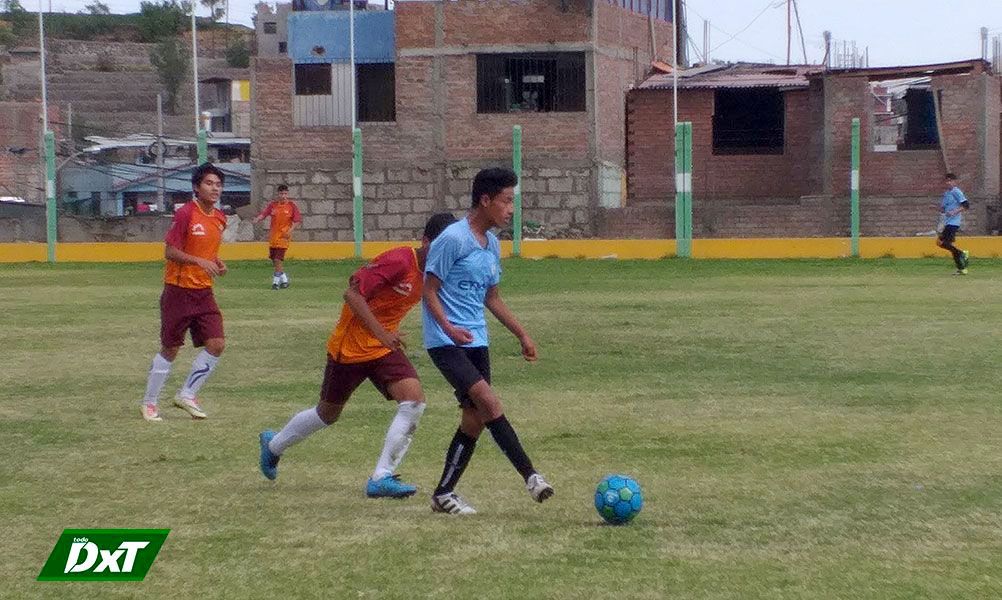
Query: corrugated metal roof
[739, 75]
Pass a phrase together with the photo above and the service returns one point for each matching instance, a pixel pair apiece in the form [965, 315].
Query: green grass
[801, 429]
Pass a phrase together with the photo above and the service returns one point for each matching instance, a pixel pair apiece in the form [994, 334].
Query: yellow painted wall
[918, 247]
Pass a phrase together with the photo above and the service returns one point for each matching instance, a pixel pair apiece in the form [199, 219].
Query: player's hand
[393, 341]
[210, 267]
[528, 349]
[222, 267]
[459, 335]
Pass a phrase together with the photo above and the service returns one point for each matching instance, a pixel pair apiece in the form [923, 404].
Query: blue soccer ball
[618, 499]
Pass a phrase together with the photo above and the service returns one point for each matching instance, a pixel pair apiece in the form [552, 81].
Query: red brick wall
[651, 166]
[503, 22]
[625, 29]
[415, 26]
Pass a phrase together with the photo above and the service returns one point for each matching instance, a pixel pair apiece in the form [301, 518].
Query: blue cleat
[269, 460]
[389, 487]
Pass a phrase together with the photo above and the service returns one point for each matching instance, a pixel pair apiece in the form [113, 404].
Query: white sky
[897, 32]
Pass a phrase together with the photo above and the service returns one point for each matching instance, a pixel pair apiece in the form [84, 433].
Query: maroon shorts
[341, 379]
[276, 253]
[183, 309]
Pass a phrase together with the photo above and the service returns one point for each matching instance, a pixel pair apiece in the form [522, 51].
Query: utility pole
[828, 49]
[789, 28]
[69, 125]
[706, 42]
[161, 205]
[984, 43]
[800, 28]
[200, 134]
[49, 145]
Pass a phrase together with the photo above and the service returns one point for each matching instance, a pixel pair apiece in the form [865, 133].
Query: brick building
[771, 149]
[440, 86]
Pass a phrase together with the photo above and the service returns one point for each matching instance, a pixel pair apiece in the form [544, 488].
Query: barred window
[537, 82]
[748, 121]
[313, 80]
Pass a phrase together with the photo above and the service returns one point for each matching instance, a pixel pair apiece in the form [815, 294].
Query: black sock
[456, 458]
[958, 256]
[506, 438]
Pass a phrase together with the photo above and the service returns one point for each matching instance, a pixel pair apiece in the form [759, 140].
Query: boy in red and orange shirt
[366, 344]
[187, 302]
[284, 217]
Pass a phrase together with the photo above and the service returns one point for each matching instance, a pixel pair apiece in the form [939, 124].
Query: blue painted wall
[375, 37]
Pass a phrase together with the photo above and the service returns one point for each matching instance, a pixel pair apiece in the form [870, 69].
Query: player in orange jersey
[284, 217]
[366, 344]
[187, 302]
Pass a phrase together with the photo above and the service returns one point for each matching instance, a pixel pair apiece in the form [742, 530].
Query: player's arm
[432, 284]
[500, 310]
[177, 255]
[360, 306]
[297, 218]
[264, 214]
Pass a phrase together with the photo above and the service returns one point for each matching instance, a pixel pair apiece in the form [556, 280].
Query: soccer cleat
[191, 406]
[389, 487]
[452, 504]
[151, 413]
[967, 255]
[284, 285]
[269, 460]
[538, 488]
[274, 286]
[961, 271]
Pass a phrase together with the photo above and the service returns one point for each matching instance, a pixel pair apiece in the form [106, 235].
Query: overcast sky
[897, 32]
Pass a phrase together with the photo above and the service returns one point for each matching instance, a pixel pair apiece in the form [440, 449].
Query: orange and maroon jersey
[391, 284]
[197, 233]
[283, 214]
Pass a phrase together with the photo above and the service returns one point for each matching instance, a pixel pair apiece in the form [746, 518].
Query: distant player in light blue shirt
[952, 206]
[462, 272]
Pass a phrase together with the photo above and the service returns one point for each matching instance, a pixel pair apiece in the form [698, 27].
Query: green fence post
[516, 165]
[854, 189]
[50, 195]
[356, 186]
[683, 190]
[203, 146]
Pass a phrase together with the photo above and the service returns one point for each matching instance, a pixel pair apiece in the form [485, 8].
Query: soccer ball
[618, 499]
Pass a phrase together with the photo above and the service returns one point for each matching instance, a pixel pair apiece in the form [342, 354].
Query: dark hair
[282, 188]
[491, 182]
[437, 224]
[950, 177]
[205, 169]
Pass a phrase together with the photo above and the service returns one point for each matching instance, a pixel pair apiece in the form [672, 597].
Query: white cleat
[538, 488]
[151, 413]
[452, 504]
[191, 406]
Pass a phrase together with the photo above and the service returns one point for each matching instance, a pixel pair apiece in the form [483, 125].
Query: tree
[238, 55]
[163, 19]
[216, 8]
[97, 8]
[170, 59]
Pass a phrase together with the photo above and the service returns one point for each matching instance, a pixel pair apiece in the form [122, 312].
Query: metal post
[200, 133]
[854, 189]
[351, 53]
[683, 190]
[69, 125]
[203, 146]
[161, 204]
[516, 165]
[50, 195]
[356, 168]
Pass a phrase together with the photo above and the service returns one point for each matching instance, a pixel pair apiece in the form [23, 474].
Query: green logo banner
[103, 555]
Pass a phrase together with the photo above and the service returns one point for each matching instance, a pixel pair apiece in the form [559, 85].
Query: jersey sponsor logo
[471, 286]
[197, 229]
[404, 289]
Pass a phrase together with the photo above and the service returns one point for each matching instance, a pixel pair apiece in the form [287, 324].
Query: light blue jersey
[467, 271]
[951, 201]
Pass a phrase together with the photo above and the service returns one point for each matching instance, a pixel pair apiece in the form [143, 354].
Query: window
[540, 82]
[904, 115]
[270, 27]
[748, 121]
[313, 80]
[283, 47]
[376, 92]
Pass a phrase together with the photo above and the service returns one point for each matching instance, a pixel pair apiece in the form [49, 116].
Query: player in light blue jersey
[953, 204]
[462, 274]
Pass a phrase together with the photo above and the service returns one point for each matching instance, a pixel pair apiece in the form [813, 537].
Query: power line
[735, 36]
[771, 4]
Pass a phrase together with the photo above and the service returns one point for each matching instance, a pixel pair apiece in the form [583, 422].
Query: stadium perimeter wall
[878, 247]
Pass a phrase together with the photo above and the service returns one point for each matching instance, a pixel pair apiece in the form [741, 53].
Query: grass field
[802, 429]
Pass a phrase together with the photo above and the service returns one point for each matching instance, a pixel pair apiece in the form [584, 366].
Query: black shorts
[949, 234]
[463, 368]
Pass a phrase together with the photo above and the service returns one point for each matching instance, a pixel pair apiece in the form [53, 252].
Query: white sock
[296, 430]
[203, 366]
[285, 278]
[398, 438]
[276, 279]
[159, 371]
